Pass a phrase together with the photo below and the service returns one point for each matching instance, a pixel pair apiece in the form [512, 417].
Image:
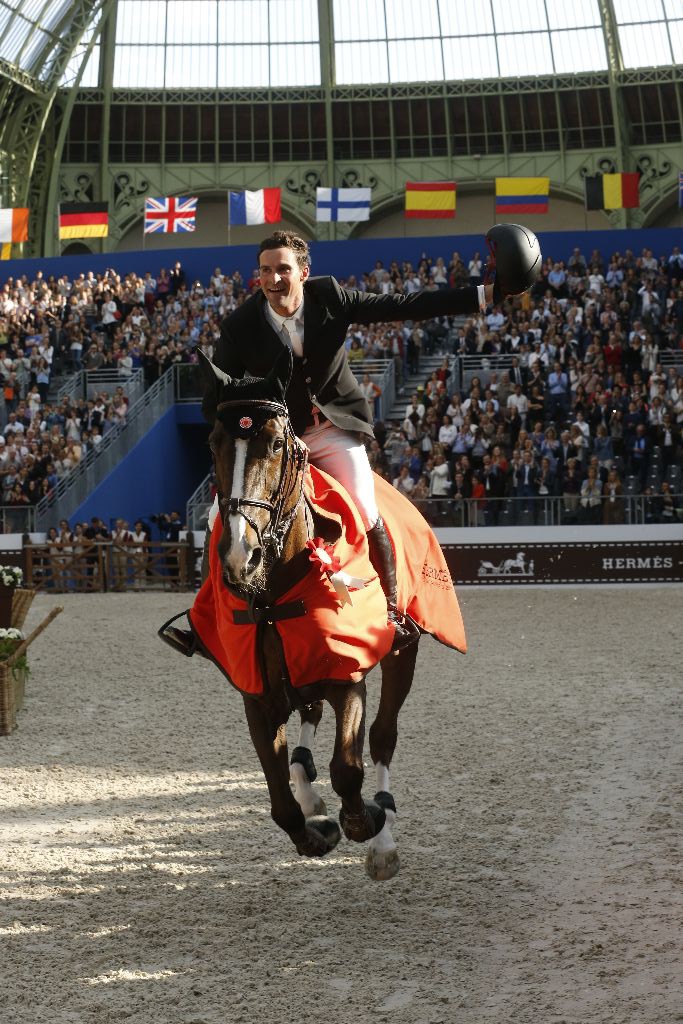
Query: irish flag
[14, 225]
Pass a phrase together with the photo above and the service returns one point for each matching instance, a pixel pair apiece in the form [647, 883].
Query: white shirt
[294, 325]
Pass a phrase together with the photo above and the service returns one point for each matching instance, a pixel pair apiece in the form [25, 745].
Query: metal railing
[73, 489]
[199, 504]
[86, 384]
[17, 519]
[381, 371]
[563, 510]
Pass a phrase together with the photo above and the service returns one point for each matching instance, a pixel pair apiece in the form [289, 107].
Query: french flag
[260, 207]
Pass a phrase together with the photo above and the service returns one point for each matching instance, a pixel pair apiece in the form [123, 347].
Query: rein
[293, 470]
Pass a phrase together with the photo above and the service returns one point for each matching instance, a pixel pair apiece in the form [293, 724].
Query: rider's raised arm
[367, 307]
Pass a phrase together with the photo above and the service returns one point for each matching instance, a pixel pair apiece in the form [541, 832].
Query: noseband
[292, 471]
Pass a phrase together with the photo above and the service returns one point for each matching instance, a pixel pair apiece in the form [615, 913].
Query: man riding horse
[311, 315]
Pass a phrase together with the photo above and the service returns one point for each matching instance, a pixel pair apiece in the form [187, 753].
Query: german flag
[613, 191]
[83, 220]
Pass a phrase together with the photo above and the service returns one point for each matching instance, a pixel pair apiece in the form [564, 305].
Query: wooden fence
[106, 566]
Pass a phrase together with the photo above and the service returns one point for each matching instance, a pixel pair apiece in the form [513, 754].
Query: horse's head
[259, 467]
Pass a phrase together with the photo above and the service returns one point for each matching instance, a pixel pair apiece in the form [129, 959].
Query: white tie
[291, 337]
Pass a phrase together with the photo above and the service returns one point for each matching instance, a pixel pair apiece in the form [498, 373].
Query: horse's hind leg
[382, 861]
[302, 770]
[360, 819]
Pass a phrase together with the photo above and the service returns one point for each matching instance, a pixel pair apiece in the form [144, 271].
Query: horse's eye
[278, 444]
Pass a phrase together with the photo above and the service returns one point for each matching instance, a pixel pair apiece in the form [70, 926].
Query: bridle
[292, 473]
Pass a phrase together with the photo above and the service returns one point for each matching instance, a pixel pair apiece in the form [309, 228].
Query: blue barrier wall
[158, 475]
[340, 258]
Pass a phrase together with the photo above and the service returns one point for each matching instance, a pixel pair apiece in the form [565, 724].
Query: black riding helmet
[516, 258]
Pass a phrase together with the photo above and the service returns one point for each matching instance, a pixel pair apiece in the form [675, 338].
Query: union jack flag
[170, 214]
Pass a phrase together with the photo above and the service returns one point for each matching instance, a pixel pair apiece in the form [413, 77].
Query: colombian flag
[83, 220]
[522, 195]
[433, 199]
[613, 191]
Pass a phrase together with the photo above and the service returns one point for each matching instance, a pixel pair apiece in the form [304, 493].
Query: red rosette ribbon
[324, 555]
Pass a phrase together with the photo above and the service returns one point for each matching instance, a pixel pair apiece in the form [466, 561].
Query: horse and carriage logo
[518, 566]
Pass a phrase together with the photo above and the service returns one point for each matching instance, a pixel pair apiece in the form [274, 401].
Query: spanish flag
[432, 199]
[613, 191]
[522, 195]
[83, 220]
[14, 225]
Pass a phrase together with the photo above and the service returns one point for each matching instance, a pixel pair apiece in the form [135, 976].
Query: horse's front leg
[314, 837]
[302, 770]
[360, 819]
[382, 861]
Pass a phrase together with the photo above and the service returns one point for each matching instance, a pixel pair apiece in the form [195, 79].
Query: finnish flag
[342, 204]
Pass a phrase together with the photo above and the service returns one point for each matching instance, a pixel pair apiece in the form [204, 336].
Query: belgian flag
[612, 191]
[83, 220]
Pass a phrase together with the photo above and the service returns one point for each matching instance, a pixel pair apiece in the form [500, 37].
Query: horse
[266, 529]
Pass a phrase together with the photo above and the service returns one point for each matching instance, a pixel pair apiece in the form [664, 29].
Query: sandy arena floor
[539, 794]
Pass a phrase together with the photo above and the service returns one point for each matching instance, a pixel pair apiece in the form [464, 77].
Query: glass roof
[261, 43]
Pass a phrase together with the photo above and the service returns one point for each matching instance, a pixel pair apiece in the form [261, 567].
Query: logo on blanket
[436, 576]
[246, 422]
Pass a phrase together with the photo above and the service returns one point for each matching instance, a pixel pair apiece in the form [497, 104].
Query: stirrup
[407, 631]
[181, 640]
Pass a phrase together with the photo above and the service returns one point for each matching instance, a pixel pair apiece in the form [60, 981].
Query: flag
[433, 199]
[169, 214]
[522, 195]
[342, 204]
[5, 251]
[14, 225]
[83, 220]
[259, 207]
[680, 190]
[612, 191]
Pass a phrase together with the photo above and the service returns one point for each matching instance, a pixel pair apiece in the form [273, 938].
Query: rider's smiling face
[282, 280]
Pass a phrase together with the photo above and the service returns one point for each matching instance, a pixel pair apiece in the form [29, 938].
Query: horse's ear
[213, 381]
[279, 377]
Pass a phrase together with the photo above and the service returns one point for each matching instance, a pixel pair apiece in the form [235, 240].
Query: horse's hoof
[381, 866]
[322, 835]
[360, 827]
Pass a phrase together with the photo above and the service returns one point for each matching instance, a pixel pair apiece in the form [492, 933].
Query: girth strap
[273, 613]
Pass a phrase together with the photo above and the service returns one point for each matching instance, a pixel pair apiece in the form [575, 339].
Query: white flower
[12, 633]
[11, 576]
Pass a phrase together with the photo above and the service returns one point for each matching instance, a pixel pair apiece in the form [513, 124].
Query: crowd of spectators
[585, 415]
[585, 405]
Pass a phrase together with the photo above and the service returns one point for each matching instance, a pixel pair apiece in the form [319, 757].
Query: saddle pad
[335, 642]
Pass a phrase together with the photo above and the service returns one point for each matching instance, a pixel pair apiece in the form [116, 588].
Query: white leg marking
[238, 525]
[305, 795]
[383, 842]
[306, 734]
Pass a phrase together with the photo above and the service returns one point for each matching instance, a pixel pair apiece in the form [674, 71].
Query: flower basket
[14, 605]
[14, 671]
[15, 600]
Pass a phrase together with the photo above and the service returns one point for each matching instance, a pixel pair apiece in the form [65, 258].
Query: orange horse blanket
[334, 641]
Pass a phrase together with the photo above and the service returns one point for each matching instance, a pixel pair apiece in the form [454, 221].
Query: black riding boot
[183, 640]
[384, 562]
